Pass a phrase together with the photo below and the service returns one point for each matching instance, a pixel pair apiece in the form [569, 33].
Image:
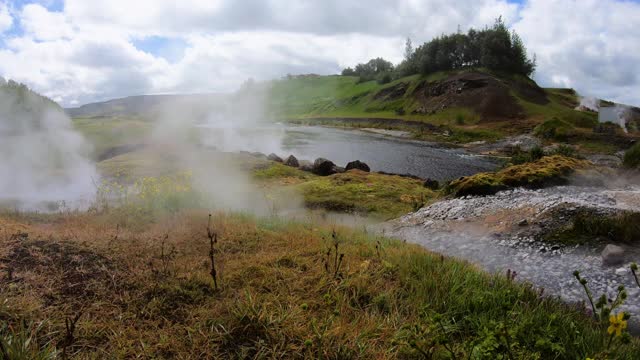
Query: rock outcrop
[358, 165]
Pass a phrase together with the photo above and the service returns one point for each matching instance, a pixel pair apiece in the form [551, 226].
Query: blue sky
[78, 51]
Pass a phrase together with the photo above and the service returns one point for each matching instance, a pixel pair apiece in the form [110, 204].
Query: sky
[80, 51]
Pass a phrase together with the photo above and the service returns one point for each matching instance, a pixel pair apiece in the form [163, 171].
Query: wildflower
[617, 324]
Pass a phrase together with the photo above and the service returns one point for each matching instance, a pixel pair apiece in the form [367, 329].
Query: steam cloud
[42, 158]
[204, 145]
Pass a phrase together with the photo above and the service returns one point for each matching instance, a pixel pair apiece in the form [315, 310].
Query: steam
[589, 103]
[42, 158]
[205, 146]
[618, 114]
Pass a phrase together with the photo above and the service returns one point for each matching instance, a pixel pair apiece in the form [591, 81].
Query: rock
[305, 165]
[274, 157]
[324, 167]
[555, 247]
[259, 155]
[431, 184]
[621, 271]
[338, 169]
[612, 255]
[358, 165]
[292, 161]
[523, 222]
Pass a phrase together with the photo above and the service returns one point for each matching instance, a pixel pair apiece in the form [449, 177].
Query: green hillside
[456, 106]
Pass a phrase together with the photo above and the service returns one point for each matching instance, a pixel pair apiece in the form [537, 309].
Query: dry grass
[147, 292]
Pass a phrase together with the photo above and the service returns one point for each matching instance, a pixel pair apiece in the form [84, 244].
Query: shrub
[520, 156]
[632, 157]
[554, 129]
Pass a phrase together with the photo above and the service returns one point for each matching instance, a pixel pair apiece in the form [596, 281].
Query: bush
[384, 78]
[632, 157]
[565, 150]
[555, 129]
[520, 157]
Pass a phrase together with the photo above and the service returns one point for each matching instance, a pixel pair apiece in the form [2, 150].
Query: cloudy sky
[80, 51]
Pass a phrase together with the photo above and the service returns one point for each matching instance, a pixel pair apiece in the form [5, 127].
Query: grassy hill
[459, 106]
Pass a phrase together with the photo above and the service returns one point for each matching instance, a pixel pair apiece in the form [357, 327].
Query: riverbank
[511, 231]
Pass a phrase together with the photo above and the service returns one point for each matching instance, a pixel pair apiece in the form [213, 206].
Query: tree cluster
[376, 69]
[494, 48]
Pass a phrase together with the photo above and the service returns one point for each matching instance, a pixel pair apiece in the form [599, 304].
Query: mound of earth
[489, 96]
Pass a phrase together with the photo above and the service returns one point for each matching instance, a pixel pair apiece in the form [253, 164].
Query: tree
[408, 49]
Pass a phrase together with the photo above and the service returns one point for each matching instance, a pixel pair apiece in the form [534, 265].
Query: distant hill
[148, 106]
[17, 97]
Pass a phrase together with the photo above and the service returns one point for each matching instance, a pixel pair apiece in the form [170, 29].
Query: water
[380, 152]
[467, 228]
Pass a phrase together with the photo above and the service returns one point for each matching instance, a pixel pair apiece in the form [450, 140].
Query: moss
[380, 195]
[548, 170]
[632, 157]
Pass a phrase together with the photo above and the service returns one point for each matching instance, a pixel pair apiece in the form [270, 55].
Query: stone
[305, 165]
[621, 271]
[523, 222]
[274, 157]
[292, 161]
[612, 255]
[358, 165]
[431, 184]
[324, 167]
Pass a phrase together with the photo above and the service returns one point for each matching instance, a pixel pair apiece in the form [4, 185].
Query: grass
[146, 291]
[590, 227]
[107, 133]
[382, 196]
[548, 170]
[632, 157]
[369, 194]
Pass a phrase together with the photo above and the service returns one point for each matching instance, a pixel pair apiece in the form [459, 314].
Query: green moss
[545, 171]
[380, 195]
[632, 157]
[278, 171]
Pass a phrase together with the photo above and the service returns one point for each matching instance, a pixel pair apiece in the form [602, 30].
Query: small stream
[466, 228]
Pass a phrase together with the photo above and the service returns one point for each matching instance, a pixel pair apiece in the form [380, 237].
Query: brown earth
[487, 95]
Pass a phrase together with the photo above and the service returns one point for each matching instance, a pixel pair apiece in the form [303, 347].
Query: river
[380, 152]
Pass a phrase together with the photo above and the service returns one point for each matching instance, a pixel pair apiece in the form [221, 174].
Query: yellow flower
[617, 324]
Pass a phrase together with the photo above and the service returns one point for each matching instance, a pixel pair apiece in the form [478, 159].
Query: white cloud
[6, 20]
[40, 24]
[591, 45]
[86, 52]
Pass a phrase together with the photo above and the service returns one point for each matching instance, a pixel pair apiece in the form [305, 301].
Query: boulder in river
[292, 161]
[358, 165]
[324, 167]
[274, 157]
[612, 255]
